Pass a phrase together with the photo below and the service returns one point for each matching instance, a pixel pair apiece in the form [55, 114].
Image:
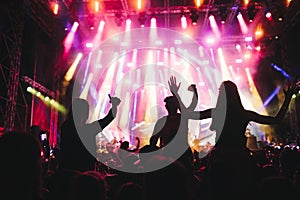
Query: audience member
[230, 165]
[89, 185]
[20, 168]
[78, 143]
[130, 190]
[175, 125]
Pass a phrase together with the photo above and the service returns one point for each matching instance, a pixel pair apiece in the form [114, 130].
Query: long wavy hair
[228, 104]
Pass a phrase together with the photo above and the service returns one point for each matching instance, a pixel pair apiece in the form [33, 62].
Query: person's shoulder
[163, 118]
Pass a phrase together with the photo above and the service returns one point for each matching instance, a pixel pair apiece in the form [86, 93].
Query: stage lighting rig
[119, 18]
[194, 16]
[142, 18]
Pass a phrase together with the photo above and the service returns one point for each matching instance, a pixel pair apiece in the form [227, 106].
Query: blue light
[286, 75]
[267, 101]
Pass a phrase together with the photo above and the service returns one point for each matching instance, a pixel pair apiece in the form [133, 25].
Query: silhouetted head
[130, 190]
[80, 110]
[229, 93]
[228, 107]
[172, 104]
[88, 185]
[124, 145]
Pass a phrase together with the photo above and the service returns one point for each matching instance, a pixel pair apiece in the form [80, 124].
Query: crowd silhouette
[229, 170]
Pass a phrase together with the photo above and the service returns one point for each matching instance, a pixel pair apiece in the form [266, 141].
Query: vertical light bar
[86, 87]
[98, 35]
[246, 2]
[101, 25]
[153, 22]
[139, 4]
[256, 100]
[55, 7]
[98, 59]
[128, 24]
[96, 6]
[183, 22]
[214, 26]
[242, 23]
[198, 3]
[134, 57]
[150, 57]
[86, 70]
[225, 72]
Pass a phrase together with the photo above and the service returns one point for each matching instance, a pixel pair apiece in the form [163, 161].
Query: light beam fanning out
[86, 88]
[70, 37]
[225, 72]
[70, 73]
[242, 23]
[214, 26]
[256, 99]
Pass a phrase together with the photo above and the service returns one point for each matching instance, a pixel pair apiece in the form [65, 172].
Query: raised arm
[194, 102]
[137, 146]
[115, 101]
[197, 115]
[174, 90]
[262, 119]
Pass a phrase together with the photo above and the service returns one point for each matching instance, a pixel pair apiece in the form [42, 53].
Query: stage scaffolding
[15, 110]
[11, 40]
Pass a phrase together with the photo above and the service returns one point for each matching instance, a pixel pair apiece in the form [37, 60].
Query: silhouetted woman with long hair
[230, 166]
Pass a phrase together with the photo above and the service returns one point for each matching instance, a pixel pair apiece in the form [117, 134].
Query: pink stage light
[238, 47]
[243, 25]
[248, 39]
[238, 60]
[101, 25]
[70, 37]
[89, 45]
[74, 27]
[210, 40]
[183, 22]
[128, 24]
[98, 36]
[269, 15]
[71, 71]
[153, 22]
[214, 26]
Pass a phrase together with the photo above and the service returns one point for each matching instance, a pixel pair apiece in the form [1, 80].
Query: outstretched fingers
[173, 84]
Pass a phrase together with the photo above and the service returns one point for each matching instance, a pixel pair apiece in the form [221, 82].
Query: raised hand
[292, 89]
[192, 88]
[173, 85]
[115, 101]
